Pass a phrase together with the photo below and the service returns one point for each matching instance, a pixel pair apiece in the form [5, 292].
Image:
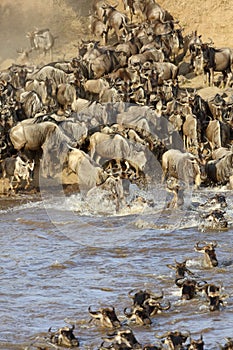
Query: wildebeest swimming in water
[214, 220]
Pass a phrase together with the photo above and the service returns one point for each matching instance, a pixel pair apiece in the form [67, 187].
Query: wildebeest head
[188, 288]
[174, 340]
[213, 294]
[123, 337]
[180, 269]
[64, 337]
[140, 296]
[196, 344]
[209, 250]
[153, 306]
[152, 347]
[107, 317]
[138, 314]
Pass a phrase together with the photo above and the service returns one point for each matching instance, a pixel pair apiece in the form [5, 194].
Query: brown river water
[63, 254]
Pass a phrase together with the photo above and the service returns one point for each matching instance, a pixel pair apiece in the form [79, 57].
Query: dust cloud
[66, 19]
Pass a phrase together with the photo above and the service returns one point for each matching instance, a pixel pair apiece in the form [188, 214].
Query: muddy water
[58, 258]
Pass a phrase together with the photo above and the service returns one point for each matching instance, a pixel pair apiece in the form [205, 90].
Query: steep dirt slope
[68, 20]
[212, 19]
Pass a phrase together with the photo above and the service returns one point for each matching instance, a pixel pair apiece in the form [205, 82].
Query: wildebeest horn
[162, 336]
[180, 281]
[214, 244]
[184, 262]
[3, 147]
[70, 147]
[197, 246]
[203, 286]
[93, 313]
[160, 296]
[3, 81]
[128, 314]
[112, 334]
[166, 307]
[132, 291]
[211, 42]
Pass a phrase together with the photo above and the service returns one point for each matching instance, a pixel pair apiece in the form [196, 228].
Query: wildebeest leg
[11, 183]
[229, 77]
[18, 181]
[207, 77]
[211, 77]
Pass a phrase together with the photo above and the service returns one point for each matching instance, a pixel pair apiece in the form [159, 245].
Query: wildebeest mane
[45, 118]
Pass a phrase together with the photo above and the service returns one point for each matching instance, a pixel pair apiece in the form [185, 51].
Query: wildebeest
[127, 171]
[97, 7]
[188, 287]
[100, 61]
[214, 220]
[152, 306]
[147, 301]
[46, 138]
[192, 43]
[64, 337]
[138, 315]
[218, 201]
[153, 11]
[183, 166]
[31, 103]
[196, 344]
[174, 186]
[217, 60]
[15, 168]
[180, 269]
[115, 146]
[111, 190]
[140, 296]
[98, 29]
[57, 76]
[40, 87]
[66, 95]
[106, 316]
[115, 20]
[218, 134]
[89, 174]
[210, 258]
[213, 295]
[174, 340]
[189, 129]
[139, 59]
[42, 40]
[95, 86]
[125, 338]
[166, 71]
[220, 170]
[29, 136]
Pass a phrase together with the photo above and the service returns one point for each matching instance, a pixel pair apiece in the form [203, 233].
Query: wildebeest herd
[118, 107]
[113, 115]
[144, 310]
